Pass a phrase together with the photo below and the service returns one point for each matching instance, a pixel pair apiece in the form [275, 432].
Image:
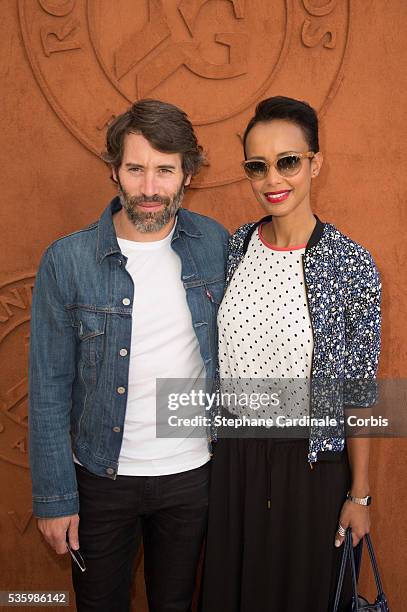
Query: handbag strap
[351, 558]
[374, 565]
[355, 575]
[347, 556]
[340, 578]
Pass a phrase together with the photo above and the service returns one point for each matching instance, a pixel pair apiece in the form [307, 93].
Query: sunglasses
[288, 165]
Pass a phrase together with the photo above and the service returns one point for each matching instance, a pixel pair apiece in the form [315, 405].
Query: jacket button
[116, 429]
[110, 471]
[126, 301]
[123, 352]
[121, 390]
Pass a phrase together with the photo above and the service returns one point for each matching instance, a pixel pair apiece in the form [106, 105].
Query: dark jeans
[168, 512]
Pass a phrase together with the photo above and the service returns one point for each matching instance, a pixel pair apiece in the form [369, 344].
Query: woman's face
[281, 196]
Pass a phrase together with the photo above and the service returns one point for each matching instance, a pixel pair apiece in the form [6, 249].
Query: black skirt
[271, 531]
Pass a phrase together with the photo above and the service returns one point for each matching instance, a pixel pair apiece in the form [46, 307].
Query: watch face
[368, 500]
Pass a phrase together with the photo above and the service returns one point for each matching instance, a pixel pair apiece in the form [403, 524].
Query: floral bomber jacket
[344, 293]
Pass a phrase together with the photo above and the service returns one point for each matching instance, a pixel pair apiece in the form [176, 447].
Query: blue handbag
[359, 604]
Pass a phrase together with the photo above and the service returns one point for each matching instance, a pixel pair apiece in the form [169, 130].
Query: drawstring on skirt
[269, 445]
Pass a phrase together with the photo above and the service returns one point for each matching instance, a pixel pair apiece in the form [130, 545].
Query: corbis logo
[214, 58]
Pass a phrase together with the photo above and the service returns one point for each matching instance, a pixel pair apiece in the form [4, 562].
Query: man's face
[150, 183]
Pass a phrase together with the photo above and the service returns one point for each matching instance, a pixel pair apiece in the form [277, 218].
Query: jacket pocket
[214, 291]
[90, 326]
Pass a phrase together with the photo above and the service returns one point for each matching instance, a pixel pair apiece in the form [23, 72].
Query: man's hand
[54, 531]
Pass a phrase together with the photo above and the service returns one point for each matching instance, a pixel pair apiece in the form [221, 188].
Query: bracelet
[362, 501]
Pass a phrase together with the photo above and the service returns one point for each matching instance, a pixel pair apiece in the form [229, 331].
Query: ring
[341, 530]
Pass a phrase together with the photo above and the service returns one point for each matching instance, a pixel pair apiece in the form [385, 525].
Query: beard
[146, 222]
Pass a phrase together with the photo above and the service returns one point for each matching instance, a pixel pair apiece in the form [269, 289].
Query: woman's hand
[356, 517]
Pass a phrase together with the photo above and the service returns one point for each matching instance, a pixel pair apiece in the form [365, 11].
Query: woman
[302, 303]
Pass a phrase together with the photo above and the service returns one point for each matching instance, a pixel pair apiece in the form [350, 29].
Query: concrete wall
[68, 66]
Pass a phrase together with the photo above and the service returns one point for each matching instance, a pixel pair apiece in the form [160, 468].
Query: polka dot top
[264, 325]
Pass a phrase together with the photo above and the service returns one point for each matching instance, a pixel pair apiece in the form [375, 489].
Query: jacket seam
[55, 498]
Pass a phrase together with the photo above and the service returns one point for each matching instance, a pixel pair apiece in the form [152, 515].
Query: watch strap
[362, 501]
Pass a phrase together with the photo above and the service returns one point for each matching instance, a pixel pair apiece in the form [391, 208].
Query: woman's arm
[362, 321]
[353, 515]
[358, 452]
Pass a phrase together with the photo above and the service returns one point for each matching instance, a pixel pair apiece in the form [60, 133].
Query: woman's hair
[289, 109]
[165, 126]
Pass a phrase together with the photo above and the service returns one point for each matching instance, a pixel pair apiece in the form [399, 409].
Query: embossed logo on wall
[214, 58]
[15, 311]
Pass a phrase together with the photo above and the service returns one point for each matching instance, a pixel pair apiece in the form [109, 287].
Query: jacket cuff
[360, 392]
[55, 508]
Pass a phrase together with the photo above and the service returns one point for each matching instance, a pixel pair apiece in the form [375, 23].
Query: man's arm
[51, 374]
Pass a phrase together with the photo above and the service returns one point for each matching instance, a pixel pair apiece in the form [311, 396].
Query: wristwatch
[362, 501]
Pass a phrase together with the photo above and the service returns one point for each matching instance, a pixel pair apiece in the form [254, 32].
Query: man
[125, 301]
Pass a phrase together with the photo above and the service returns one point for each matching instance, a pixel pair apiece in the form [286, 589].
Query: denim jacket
[81, 318]
[344, 292]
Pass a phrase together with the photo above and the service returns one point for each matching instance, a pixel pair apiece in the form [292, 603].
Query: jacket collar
[313, 240]
[107, 240]
[316, 234]
[186, 225]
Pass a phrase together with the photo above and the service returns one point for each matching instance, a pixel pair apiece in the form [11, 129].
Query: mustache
[154, 198]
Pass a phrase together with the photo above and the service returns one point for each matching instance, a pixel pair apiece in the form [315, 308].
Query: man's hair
[165, 126]
[289, 109]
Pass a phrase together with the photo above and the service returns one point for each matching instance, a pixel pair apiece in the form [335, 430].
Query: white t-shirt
[163, 345]
[265, 329]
